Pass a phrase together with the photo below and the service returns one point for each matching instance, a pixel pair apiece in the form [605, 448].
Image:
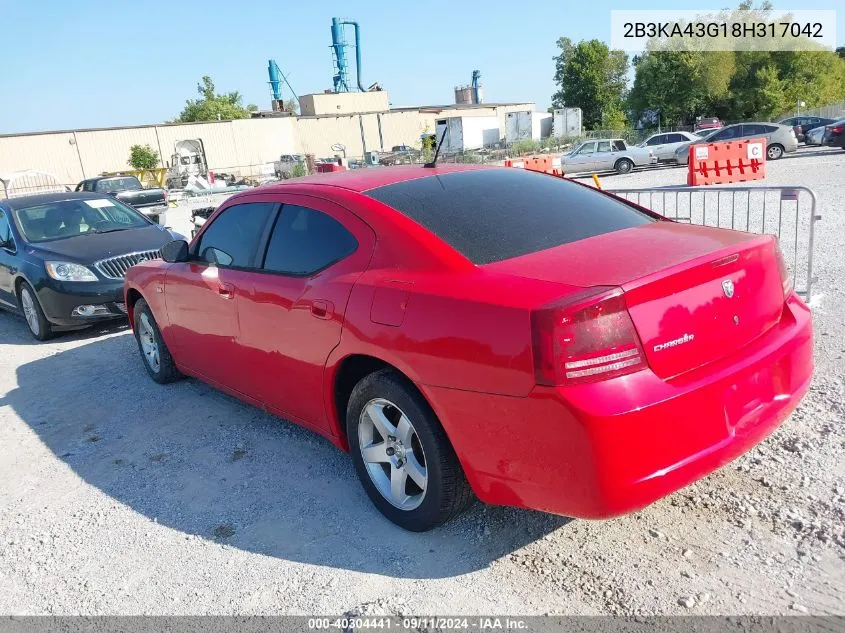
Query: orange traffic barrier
[719, 163]
[543, 164]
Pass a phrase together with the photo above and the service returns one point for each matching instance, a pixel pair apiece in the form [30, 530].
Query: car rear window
[490, 215]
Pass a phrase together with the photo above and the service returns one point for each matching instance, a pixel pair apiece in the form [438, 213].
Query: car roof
[364, 179]
[43, 198]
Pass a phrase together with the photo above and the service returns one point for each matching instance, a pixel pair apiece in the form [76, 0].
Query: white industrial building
[360, 121]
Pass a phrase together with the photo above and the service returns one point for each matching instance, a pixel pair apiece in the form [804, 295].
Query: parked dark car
[128, 189]
[834, 134]
[803, 124]
[63, 257]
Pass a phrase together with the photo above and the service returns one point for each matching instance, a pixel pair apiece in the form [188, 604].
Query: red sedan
[492, 331]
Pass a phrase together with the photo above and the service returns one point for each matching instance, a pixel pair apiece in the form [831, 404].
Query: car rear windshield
[119, 184]
[490, 215]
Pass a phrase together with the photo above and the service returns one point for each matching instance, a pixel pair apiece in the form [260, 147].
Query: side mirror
[175, 252]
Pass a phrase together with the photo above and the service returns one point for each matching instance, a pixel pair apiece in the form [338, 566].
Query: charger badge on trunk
[728, 288]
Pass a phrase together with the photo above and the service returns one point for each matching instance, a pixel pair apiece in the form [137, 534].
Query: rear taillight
[165, 197]
[585, 338]
[785, 277]
[836, 130]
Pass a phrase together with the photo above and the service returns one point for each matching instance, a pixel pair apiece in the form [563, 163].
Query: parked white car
[664, 144]
[814, 136]
[606, 155]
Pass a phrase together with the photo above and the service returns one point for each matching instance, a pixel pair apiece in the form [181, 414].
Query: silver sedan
[664, 144]
[606, 155]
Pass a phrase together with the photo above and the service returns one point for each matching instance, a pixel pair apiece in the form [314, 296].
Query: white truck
[526, 125]
[188, 159]
[467, 132]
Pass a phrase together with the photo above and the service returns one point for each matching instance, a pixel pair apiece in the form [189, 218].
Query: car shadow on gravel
[13, 331]
[195, 460]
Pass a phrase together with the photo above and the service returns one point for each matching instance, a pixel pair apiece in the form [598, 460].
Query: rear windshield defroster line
[490, 215]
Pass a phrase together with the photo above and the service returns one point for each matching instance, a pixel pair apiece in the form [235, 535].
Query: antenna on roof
[433, 162]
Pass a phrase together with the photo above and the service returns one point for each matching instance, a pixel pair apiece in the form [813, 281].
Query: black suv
[63, 257]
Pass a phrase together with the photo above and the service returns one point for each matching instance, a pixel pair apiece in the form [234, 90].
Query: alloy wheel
[393, 454]
[149, 344]
[30, 313]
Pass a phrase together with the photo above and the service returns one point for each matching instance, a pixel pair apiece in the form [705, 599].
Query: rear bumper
[601, 450]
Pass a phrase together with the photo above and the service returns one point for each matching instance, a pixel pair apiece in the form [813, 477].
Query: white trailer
[525, 125]
[467, 132]
[567, 122]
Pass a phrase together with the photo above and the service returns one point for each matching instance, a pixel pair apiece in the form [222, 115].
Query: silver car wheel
[149, 345]
[393, 454]
[774, 152]
[30, 312]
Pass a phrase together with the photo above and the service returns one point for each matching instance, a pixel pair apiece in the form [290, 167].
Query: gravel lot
[119, 496]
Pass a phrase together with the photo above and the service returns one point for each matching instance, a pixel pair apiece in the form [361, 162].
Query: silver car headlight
[68, 271]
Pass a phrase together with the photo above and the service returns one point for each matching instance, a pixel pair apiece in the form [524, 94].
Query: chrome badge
[728, 288]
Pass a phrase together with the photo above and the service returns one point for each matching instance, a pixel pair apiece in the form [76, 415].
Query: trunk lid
[695, 294]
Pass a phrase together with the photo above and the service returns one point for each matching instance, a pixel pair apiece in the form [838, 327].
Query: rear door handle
[322, 309]
[227, 291]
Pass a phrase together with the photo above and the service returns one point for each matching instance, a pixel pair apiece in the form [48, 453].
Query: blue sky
[93, 63]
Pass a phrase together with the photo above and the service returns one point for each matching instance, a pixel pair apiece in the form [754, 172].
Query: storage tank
[463, 95]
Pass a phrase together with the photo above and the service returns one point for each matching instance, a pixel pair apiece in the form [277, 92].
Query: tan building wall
[245, 147]
[343, 103]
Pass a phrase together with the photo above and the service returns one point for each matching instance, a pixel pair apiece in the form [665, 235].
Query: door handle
[322, 309]
[227, 291]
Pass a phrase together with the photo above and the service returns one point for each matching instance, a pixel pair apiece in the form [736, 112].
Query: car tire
[38, 325]
[154, 353]
[774, 151]
[623, 166]
[384, 405]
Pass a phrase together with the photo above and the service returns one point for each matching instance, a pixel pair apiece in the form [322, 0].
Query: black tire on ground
[40, 328]
[774, 151]
[447, 492]
[623, 166]
[146, 330]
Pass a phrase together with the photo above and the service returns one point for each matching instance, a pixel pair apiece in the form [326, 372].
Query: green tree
[592, 77]
[212, 106]
[676, 81]
[142, 157]
[290, 105]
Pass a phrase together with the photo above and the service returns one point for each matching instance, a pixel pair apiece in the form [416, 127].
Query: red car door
[291, 317]
[201, 294]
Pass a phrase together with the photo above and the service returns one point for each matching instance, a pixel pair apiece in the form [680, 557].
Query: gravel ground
[118, 496]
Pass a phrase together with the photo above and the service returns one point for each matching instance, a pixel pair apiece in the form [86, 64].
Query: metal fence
[787, 212]
[834, 111]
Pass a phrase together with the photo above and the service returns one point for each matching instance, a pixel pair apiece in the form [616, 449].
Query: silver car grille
[116, 267]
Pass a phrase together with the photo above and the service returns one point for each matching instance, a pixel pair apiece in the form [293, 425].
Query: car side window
[753, 130]
[5, 230]
[604, 146]
[232, 239]
[587, 148]
[305, 241]
[677, 138]
[619, 146]
[657, 140]
[725, 134]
